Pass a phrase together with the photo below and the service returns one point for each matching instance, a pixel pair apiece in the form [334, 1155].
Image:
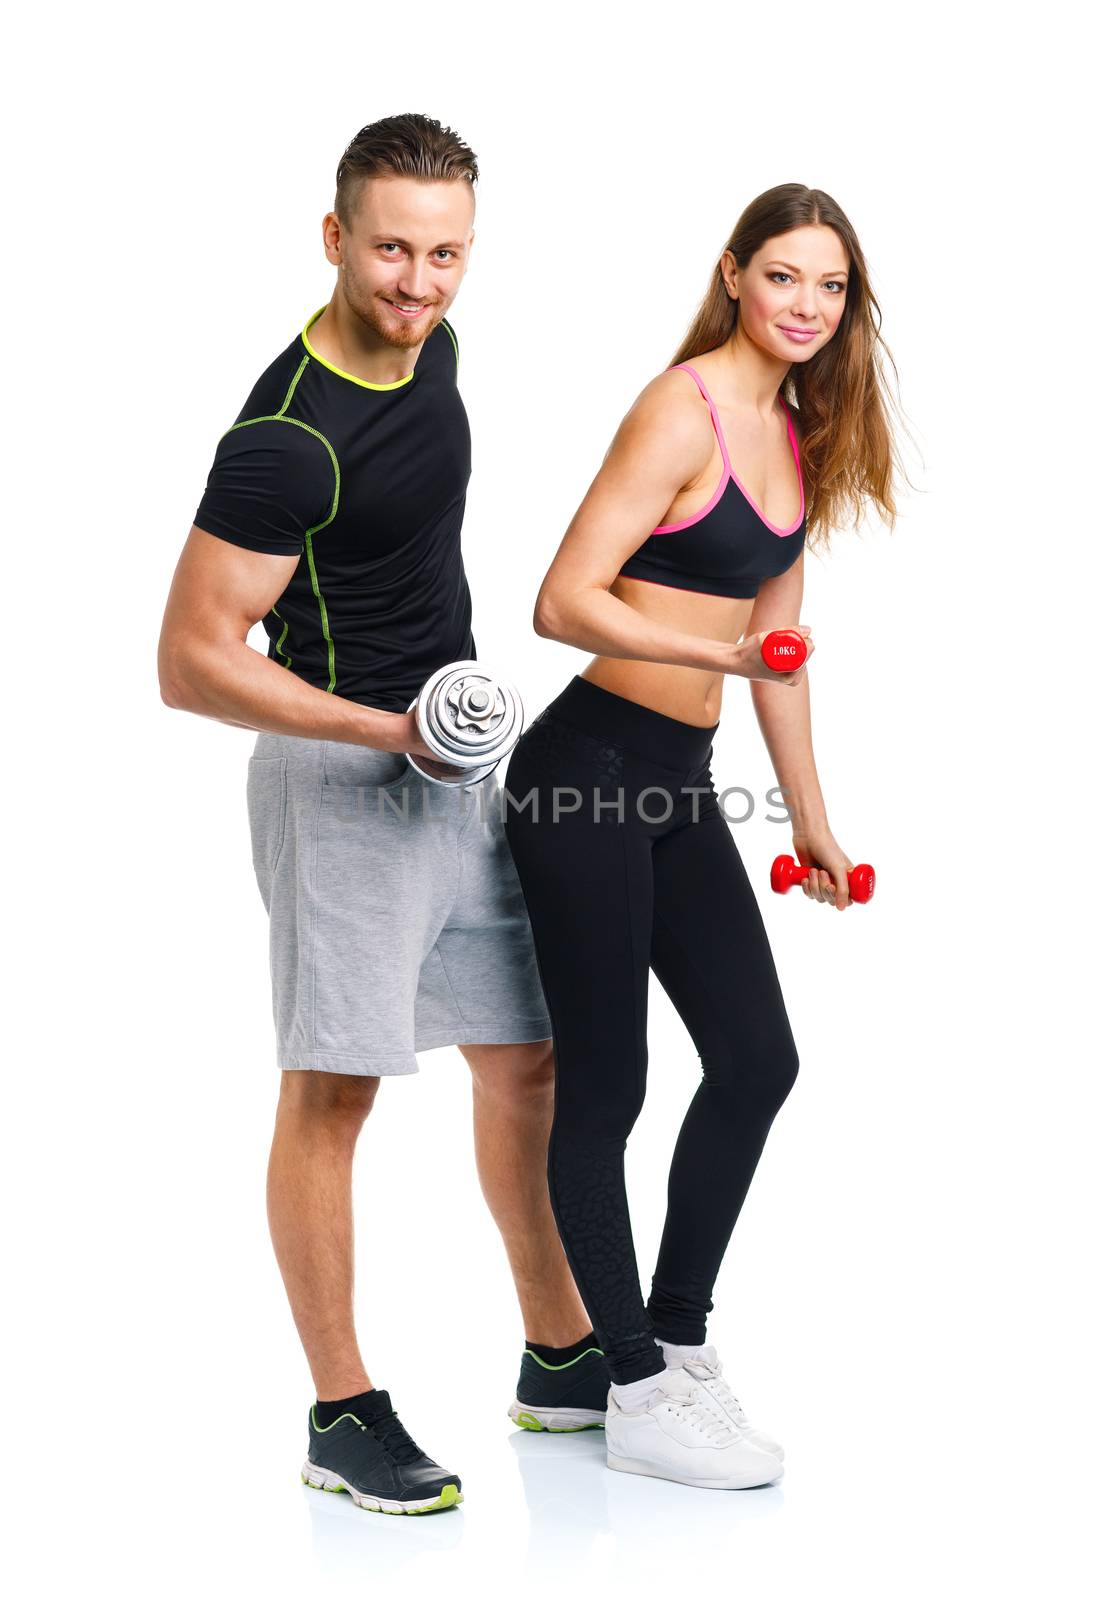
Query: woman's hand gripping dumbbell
[786, 873]
[779, 656]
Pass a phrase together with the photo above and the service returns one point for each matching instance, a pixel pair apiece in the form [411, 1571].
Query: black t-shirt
[366, 483]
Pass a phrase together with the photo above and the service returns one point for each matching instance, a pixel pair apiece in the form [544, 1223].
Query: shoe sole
[566, 1419]
[322, 1478]
[647, 1469]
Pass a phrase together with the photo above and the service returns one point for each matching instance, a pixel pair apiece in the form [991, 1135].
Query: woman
[624, 856]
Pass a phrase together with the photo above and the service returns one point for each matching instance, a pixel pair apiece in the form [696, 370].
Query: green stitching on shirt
[280, 640]
[294, 381]
[454, 341]
[294, 422]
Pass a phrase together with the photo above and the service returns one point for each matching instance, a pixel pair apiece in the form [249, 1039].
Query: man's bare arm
[207, 666]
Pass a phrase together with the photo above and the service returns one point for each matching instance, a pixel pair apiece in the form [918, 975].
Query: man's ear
[332, 238]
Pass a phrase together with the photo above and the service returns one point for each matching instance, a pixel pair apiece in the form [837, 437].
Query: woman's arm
[662, 446]
[783, 713]
[786, 723]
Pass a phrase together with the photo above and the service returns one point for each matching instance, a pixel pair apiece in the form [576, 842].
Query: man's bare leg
[310, 1215]
[513, 1090]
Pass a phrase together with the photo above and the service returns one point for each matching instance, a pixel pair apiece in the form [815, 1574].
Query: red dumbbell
[785, 873]
[784, 650]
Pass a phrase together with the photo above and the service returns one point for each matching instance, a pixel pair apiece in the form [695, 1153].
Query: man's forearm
[236, 684]
[785, 720]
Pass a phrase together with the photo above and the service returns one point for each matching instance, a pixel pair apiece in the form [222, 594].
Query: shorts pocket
[267, 794]
[355, 766]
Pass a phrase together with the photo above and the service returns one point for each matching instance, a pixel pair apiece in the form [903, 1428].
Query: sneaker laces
[708, 1369]
[394, 1436]
[695, 1409]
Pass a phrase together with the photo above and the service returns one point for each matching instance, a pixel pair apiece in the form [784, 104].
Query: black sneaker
[561, 1399]
[377, 1462]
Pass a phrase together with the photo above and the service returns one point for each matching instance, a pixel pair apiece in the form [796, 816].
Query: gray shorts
[396, 917]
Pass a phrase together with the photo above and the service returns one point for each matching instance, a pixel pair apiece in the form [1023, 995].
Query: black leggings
[608, 899]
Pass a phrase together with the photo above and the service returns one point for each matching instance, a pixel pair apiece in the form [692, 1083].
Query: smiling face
[402, 256]
[792, 292]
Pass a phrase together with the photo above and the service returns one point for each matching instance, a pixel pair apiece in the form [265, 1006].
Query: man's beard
[374, 312]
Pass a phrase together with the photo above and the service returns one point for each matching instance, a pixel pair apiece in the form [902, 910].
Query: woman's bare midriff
[689, 694]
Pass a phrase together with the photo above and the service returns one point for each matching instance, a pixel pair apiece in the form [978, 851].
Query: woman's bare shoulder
[670, 407]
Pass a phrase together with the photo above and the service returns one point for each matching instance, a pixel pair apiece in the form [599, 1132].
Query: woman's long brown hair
[846, 442]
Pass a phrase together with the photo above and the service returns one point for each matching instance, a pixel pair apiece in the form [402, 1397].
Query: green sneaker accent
[563, 1365]
[337, 1420]
[523, 1419]
[324, 1487]
[449, 1497]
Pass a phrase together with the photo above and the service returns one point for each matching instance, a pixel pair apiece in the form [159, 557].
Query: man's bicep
[220, 590]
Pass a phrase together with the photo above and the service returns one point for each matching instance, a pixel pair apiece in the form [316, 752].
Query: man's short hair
[408, 146]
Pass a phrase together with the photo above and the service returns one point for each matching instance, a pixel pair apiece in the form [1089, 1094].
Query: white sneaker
[706, 1368]
[678, 1432]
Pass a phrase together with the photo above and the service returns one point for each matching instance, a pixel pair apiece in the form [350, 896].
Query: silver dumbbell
[469, 718]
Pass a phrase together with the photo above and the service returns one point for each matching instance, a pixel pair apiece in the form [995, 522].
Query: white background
[917, 1298]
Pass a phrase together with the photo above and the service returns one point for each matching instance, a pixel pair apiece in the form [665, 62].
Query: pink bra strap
[684, 367]
[793, 440]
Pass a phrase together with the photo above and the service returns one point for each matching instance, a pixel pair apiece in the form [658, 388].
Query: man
[333, 513]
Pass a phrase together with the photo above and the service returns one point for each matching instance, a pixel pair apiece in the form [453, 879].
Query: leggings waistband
[649, 733]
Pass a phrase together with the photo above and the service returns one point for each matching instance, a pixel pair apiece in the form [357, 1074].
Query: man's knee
[340, 1099]
[512, 1072]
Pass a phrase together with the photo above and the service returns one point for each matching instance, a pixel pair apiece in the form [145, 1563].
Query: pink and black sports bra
[730, 547]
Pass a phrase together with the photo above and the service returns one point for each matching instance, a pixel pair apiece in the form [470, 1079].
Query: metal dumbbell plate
[469, 718]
